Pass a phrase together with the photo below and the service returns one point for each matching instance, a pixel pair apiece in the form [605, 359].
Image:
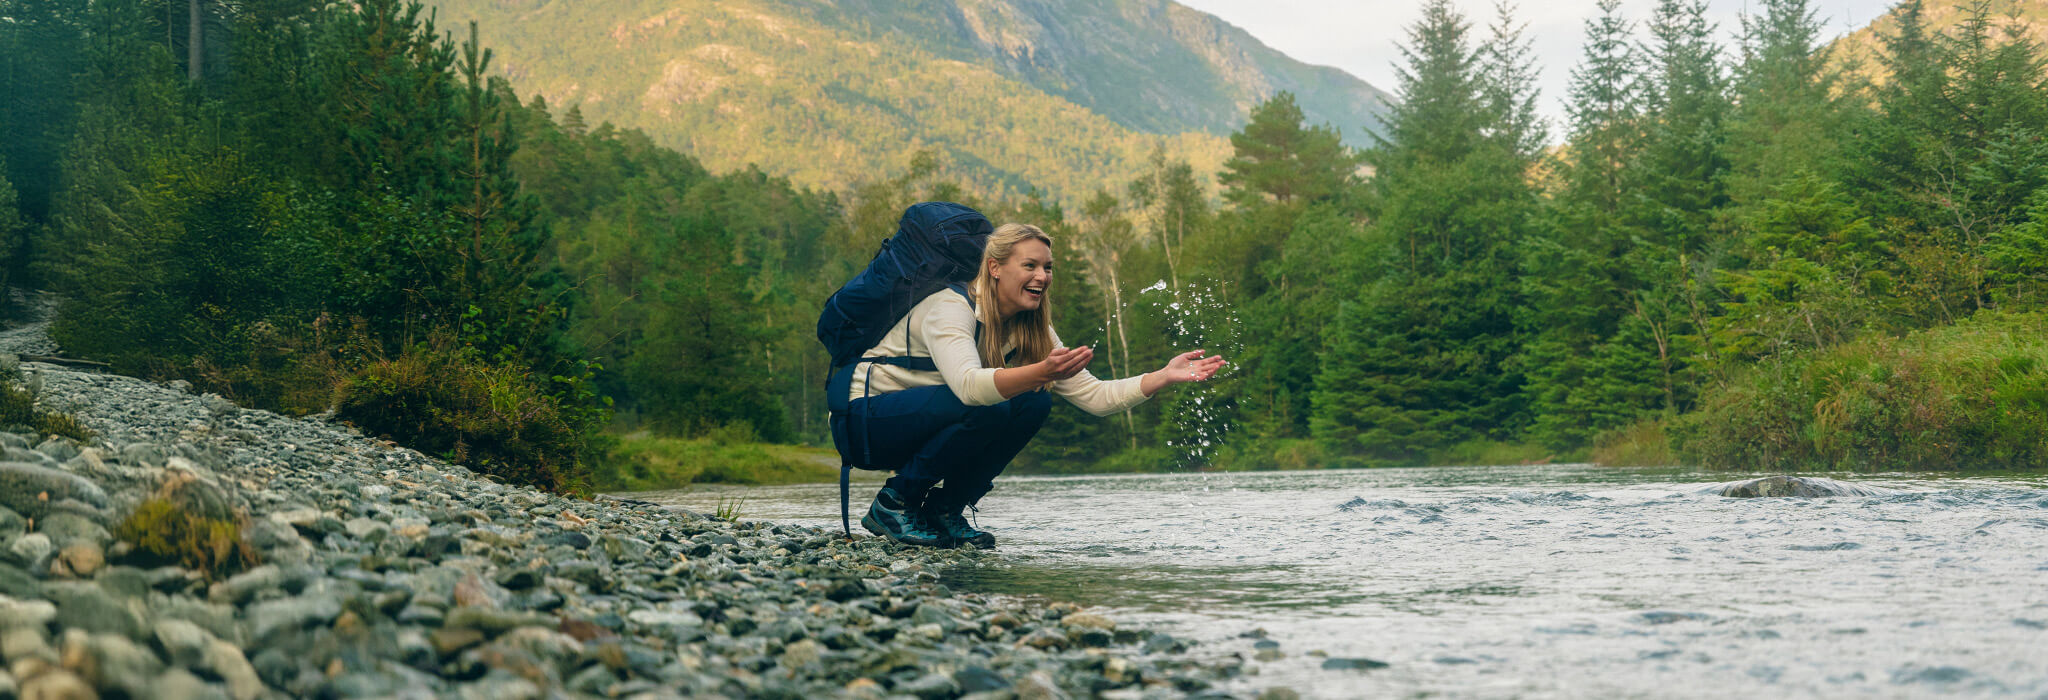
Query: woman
[960, 425]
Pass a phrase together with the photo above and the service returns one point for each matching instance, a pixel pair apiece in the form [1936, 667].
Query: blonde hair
[1030, 331]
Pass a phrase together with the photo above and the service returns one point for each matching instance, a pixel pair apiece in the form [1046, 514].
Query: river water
[1548, 581]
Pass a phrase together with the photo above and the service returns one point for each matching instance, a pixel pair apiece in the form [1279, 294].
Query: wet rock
[1336, 663]
[110, 662]
[183, 642]
[979, 679]
[1796, 487]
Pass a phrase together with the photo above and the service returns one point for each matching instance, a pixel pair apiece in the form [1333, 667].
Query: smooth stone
[25, 643]
[930, 614]
[179, 684]
[184, 642]
[31, 550]
[57, 685]
[227, 662]
[29, 489]
[82, 558]
[26, 613]
[111, 662]
[493, 621]
[16, 583]
[1088, 621]
[84, 606]
[12, 525]
[979, 679]
[298, 612]
[1038, 685]
[1335, 663]
[65, 528]
[930, 687]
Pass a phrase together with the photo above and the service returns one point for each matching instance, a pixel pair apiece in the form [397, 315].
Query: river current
[1548, 581]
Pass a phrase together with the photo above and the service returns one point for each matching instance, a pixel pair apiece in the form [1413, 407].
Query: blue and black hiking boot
[946, 516]
[890, 517]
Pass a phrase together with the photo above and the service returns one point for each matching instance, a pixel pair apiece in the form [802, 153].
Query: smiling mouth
[1034, 292]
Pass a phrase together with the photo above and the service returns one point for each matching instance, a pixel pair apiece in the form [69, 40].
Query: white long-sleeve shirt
[942, 328]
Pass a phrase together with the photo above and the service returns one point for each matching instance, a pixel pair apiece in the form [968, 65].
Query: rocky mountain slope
[1061, 95]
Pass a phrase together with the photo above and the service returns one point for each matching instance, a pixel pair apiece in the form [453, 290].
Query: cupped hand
[1066, 362]
[1192, 366]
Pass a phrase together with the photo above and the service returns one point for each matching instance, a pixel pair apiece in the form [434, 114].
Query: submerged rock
[1795, 487]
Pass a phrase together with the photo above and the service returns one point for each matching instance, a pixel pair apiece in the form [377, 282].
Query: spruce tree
[1279, 160]
[1418, 361]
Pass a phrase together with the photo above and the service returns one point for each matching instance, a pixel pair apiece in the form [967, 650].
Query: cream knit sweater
[942, 327]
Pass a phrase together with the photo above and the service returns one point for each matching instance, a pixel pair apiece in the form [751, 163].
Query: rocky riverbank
[374, 571]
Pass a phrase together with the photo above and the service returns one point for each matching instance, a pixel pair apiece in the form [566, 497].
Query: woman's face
[1021, 280]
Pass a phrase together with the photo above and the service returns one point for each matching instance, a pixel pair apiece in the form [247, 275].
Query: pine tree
[1418, 361]
[1278, 160]
[1787, 115]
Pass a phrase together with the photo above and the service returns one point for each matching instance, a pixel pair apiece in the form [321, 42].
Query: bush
[212, 545]
[1969, 396]
[444, 399]
[18, 409]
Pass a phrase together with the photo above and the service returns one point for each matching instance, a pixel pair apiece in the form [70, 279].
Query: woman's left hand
[1189, 366]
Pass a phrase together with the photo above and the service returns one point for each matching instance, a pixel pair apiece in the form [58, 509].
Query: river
[1547, 581]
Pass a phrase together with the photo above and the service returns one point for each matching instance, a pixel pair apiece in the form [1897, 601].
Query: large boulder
[1795, 487]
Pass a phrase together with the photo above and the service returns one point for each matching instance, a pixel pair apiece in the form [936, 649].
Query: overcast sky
[1359, 36]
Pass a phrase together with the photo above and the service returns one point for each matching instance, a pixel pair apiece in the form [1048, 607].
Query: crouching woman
[948, 433]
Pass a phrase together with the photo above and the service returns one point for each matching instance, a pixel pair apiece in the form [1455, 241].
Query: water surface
[1567, 581]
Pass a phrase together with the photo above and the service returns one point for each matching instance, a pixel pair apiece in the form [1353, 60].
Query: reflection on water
[1555, 580]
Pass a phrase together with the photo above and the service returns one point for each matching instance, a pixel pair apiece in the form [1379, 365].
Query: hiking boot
[947, 518]
[890, 517]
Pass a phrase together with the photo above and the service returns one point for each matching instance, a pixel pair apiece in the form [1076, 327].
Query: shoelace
[971, 518]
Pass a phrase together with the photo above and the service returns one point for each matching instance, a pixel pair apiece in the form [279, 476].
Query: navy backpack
[937, 245]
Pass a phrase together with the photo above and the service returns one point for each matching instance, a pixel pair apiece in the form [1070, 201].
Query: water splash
[1197, 417]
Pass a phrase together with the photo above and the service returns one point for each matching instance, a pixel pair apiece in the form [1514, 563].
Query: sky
[1360, 36]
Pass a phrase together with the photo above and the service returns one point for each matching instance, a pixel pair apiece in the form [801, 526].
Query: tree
[1418, 361]
[1277, 160]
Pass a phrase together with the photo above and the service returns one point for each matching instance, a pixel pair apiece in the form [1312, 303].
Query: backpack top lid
[936, 244]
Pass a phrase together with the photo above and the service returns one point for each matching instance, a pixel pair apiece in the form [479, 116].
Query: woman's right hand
[1065, 362]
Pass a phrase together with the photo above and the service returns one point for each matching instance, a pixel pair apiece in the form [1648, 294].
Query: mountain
[1859, 50]
[1062, 95]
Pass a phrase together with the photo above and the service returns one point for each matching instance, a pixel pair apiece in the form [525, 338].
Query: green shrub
[18, 409]
[496, 418]
[211, 545]
[1969, 396]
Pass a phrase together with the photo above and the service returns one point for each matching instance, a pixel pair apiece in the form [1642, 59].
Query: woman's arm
[947, 328]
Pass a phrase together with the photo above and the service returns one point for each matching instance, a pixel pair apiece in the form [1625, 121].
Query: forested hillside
[1011, 95]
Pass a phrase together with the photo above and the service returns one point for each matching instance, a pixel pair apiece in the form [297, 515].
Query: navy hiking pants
[928, 435]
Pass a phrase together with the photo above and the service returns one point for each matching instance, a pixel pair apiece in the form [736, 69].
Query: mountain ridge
[831, 94]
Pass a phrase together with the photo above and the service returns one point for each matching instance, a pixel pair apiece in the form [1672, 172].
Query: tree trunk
[195, 41]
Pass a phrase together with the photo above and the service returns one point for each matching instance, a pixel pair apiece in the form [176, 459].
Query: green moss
[214, 546]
